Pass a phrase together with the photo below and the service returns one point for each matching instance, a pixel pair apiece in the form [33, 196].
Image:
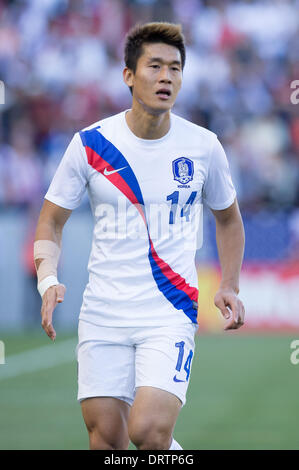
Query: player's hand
[52, 296]
[231, 308]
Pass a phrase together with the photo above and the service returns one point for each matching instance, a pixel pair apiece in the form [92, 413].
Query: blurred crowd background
[61, 62]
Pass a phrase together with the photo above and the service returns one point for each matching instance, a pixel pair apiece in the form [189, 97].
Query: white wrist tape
[48, 252]
[46, 283]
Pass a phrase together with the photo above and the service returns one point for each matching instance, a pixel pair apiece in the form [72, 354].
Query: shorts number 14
[187, 365]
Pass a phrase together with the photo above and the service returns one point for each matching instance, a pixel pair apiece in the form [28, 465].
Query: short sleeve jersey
[146, 197]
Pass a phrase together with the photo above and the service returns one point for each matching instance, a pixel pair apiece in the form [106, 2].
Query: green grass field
[243, 395]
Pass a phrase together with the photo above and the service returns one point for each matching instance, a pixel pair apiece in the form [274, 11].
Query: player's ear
[128, 76]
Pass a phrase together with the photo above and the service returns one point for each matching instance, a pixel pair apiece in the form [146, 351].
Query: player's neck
[146, 125]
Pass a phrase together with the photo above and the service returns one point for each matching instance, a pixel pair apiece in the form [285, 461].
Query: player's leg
[106, 384]
[152, 418]
[106, 422]
[163, 365]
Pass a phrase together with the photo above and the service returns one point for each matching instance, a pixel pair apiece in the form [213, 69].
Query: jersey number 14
[185, 211]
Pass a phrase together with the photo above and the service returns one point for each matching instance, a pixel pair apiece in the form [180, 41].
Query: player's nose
[165, 76]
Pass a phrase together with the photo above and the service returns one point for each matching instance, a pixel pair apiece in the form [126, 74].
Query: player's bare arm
[230, 243]
[49, 234]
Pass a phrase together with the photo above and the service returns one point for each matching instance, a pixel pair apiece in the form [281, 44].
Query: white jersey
[146, 197]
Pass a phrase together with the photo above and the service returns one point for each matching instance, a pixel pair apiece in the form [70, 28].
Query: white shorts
[113, 362]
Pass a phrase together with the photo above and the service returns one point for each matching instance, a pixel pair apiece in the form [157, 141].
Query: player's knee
[105, 423]
[151, 436]
[102, 441]
[96, 442]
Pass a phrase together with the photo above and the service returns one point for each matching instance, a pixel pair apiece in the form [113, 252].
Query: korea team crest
[183, 170]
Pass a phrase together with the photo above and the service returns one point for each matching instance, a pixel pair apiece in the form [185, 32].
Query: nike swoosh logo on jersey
[107, 172]
[177, 380]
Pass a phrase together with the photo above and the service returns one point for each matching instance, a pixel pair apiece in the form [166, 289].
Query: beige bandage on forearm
[49, 252]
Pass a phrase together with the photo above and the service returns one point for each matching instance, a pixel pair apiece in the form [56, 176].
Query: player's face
[158, 77]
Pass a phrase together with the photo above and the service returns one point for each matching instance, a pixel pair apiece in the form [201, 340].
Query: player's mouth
[163, 93]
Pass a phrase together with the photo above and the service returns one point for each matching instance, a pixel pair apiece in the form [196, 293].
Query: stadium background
[61, 64]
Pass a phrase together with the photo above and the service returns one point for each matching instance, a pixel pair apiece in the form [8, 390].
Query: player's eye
[155, 66]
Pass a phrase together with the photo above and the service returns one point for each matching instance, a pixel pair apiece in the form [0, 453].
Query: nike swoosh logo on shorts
[107, 172]
[177, 380]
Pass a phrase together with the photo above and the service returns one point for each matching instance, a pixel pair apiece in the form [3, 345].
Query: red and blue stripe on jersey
[101, 155]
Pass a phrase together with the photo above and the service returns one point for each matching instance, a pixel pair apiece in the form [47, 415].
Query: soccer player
[139, 312]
